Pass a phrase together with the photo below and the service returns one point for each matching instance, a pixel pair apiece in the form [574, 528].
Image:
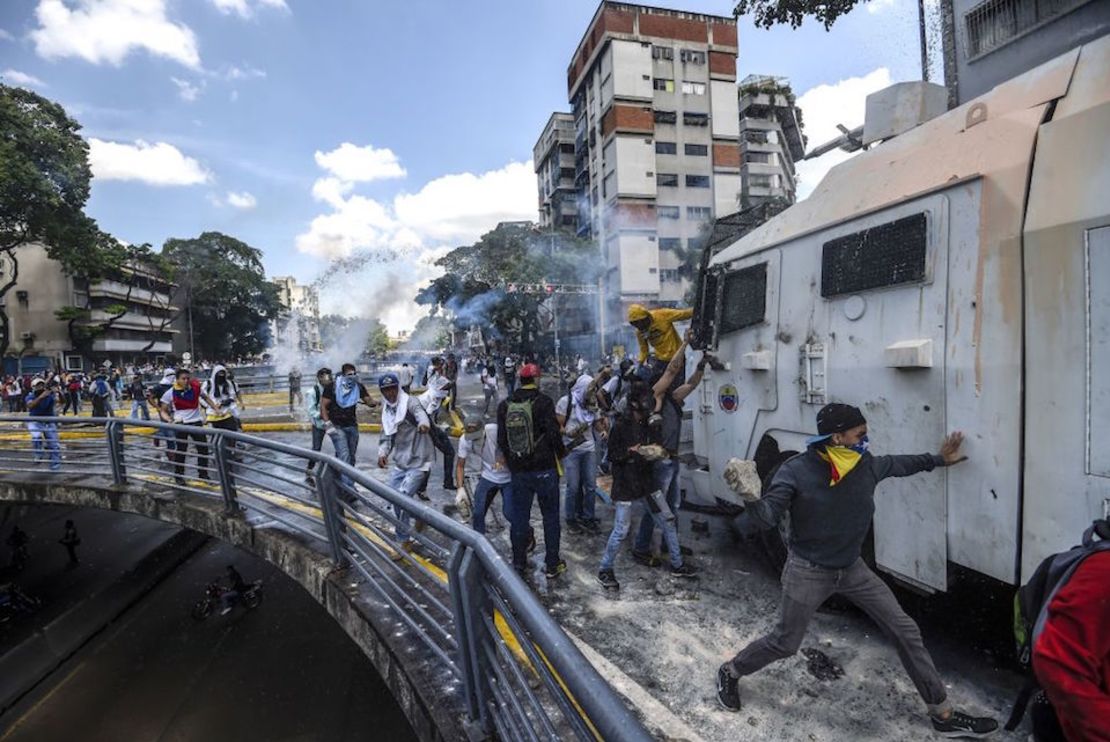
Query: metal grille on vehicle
[743, 298]
[887, 255]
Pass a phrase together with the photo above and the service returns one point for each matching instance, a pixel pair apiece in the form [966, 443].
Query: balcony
[117, 290]
[119, 345]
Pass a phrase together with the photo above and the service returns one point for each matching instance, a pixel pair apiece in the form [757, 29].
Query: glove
[329, 427]
[462, 503]
[741, 477]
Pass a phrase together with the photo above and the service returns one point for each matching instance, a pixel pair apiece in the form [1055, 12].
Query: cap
[37, 381]
[637, 313]
[387, 380]
[836, 418]
[529, 371]
[323, 370]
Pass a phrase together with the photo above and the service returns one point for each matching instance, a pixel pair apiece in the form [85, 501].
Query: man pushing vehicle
[829, 492]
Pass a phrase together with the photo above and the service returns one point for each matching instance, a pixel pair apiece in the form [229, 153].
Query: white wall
[632, 63]
[635, 159]
[725, 111]
[639, 264]
[726, 193]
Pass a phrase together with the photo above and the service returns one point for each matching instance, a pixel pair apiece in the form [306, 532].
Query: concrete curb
[27, 664]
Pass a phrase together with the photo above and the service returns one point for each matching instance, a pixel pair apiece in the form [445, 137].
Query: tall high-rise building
[300, 328]
[553, 157]
[657, 151]
[771, 141]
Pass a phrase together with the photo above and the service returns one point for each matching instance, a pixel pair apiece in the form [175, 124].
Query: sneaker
[684, 570]
[226, 610]
[422, 495]
[591, 526]
[558, 569]
[963, 726]
[573, 527]
[728, 689]
[646, 558]
[608, 580]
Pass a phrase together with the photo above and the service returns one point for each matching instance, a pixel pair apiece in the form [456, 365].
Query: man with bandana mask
[404, 442]
[315, 397]
[829, 491]
[338, 407]
[225, 391]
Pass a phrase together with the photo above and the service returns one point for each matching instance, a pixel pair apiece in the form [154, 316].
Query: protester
[433, 399]
[12, 392]
[655, 331]
[1071, 656]
[138, 397]
[495, 476]
[631, 454]
[323, 378]
[71, 541]
[236, 586]
[451, 371]
[577, 416]
[404, 442]
[489, 385]
[529, 438]
[405, 376]
[44, 435]
[73, 394]
[295, 388]
[666, 425]
[829, 492]
[220, 387]
[338, 408]
[155, 399]
[508, 368]
[181, 402]
[101, 396]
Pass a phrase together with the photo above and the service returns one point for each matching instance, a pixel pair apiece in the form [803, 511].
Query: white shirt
[489, 380]
[582, 365]
[183, 417]
[493, 463]
[561, 408]
[404, 376]
[431, 399]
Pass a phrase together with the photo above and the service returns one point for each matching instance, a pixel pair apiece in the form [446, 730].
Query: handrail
[467, 628]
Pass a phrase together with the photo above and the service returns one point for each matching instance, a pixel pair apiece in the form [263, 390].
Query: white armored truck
[955, 276]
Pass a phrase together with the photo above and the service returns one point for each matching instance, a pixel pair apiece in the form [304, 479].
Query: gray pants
[805, 586]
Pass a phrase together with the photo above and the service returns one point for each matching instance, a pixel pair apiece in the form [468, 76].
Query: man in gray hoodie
[829, 491]
[404, 441]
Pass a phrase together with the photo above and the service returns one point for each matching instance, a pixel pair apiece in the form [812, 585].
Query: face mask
[862, 446]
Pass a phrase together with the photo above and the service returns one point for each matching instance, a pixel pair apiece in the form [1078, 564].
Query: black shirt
[632, 474]
[342, 416]
[545, 428]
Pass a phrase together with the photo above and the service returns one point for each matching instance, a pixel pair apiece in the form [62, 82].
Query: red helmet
[530, 371]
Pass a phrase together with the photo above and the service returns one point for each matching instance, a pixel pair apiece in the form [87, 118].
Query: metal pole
[601, 313]
[924, 43]
[333, 519]
[114, 430]
[223, 467]
[189, 306]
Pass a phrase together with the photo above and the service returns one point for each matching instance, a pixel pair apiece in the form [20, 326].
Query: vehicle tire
[202, 609]
[252, 598]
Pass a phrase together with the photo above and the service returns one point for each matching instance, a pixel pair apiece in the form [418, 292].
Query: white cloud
[356, 222]
[21, 79]
[360, 164]
[242, 200]
[101, 31]
[825, 106]
[331, 190]
[247, 8]
[878, 6]
[246, 72]
[6, 36]
[187, 90]
[158, 164]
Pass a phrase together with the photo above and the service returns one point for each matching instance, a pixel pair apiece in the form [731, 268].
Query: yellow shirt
[661, 335]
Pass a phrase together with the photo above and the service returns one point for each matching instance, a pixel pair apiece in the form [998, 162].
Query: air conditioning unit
[26, 335]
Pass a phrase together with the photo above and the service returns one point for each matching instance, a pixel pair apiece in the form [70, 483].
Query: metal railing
[520, 675]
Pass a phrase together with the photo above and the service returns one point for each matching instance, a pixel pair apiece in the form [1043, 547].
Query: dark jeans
[317, 444]
[805, 586]
[200, 442]
[665, 472]
[542, 486]
[442, 442]
[483, 498]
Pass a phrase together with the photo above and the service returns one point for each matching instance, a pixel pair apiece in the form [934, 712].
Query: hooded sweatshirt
[401, 439]
[225, 394]
[661, 335]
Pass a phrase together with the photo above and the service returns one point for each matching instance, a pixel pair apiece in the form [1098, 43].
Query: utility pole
[924, 43]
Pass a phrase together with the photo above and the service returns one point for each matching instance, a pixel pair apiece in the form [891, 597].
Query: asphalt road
[284, 671]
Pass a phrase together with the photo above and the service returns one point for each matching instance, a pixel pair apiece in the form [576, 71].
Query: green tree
[432, 332]
[377, 338]
[476, 288]
[222, 281]
[767, 13]
[44, 184]
[332, 328]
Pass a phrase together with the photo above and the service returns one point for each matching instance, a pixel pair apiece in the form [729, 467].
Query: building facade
[553, 157]
[771, 141]
[657, 153]
[129, 315]
[299, 328]
[990, 41]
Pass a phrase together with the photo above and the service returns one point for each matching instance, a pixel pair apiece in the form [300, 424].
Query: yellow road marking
[38, 704]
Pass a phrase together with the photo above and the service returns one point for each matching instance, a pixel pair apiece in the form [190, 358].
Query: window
[670, 243]
[697, 150]
[887, 255]
[693, 88]
[660, 83]
[697, 181]
[760, 157]
[568, 220]
[566, 148]
[667, 212]
[994, 23]
[755, 136]
[761, 180]
[694, 57]
[593, 195]
[743, 298]
[665, 117]
[662, 52]
[74, 363]
[698, 212]
[666, 148]
[695, 119]
[666, 180]
[609, 185]
[566, 172]
[669, 274]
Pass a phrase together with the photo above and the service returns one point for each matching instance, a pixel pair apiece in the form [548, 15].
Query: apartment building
[299, 328]
[553, 157]
[38, 339]
[771, 141]
[657, 153]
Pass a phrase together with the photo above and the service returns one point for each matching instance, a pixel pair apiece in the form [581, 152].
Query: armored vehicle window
[886, 255]
[743, 298]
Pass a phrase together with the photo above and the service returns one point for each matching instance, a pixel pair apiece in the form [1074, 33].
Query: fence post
[224, 460]
[468, 604]
[328, 492]
[114, 432]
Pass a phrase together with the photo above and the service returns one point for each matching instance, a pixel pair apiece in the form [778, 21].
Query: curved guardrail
[521, 675]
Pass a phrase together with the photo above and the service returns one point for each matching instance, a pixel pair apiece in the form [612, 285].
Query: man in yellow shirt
[655, 330]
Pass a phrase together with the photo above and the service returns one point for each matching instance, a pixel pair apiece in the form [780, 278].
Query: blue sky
[316, 130]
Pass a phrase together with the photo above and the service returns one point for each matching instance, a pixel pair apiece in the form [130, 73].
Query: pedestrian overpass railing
[520, 675]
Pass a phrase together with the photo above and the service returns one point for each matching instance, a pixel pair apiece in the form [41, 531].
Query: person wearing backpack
[1062, 624]
[529, 438]
[405, 442]
[101, 395]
